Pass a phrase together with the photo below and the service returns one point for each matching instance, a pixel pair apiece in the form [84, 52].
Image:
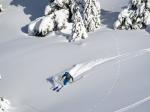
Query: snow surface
[120, 85]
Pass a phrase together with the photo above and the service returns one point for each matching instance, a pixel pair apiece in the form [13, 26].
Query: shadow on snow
[108, 18]
[35, 8]
[148, 29]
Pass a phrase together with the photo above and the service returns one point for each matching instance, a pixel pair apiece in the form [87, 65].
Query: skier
[76, 72]
[73, 74]
[66, 78]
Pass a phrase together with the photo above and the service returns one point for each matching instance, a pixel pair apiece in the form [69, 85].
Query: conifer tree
[135, 16]
[78, 30]
[91, 15]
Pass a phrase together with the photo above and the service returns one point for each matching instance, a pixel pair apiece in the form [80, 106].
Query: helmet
[66, 73]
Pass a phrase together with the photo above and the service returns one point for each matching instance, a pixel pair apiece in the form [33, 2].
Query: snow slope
[26, 62]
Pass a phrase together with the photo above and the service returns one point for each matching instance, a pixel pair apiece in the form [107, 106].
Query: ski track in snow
[117, 72]
[33, 108]
[138, 103]
[120, 58]
[115, 81]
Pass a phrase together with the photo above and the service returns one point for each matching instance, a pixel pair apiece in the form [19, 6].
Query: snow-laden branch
[4, 105]
[1, 8]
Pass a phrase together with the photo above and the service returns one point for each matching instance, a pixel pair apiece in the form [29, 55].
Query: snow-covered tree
[1, 8]
[4, 105]
[78, 30]
[53, 22]
[135, 16]
[91, 15]
[42, 26]
[61, 19]
[55, 18]
[59, 13]
[56, 5]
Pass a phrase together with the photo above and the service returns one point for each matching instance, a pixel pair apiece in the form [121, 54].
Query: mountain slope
[26, 62]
